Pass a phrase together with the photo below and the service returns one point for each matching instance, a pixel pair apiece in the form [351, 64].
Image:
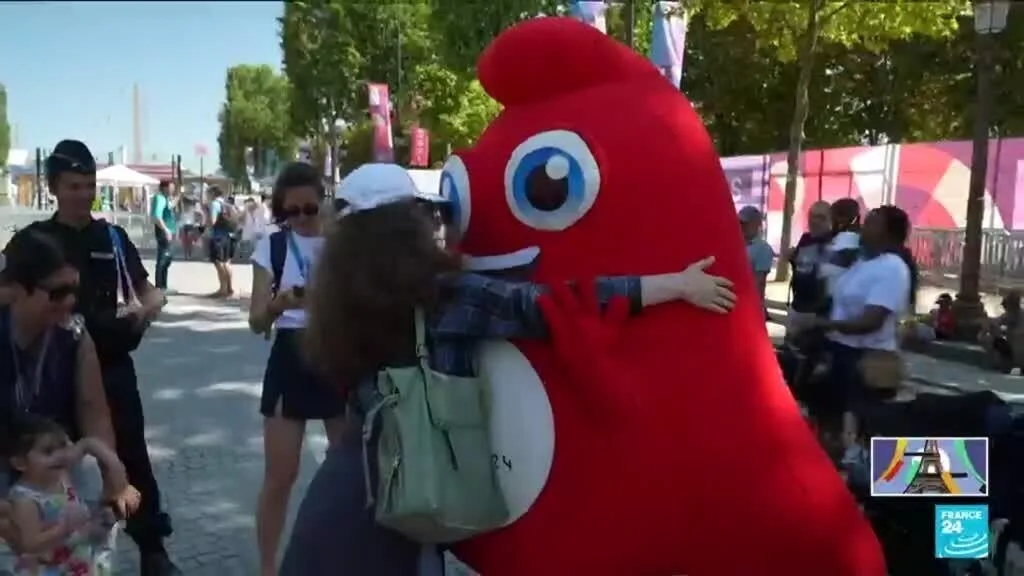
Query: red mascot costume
[665, 444]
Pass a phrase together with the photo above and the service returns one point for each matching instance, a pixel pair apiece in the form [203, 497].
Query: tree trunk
[808, 44]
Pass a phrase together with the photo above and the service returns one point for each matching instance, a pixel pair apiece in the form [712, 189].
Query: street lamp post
[989, 19]
[336, 130]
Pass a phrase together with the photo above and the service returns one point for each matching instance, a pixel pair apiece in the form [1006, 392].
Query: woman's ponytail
[908, 258]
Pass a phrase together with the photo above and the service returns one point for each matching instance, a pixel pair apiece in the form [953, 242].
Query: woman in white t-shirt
[868, 300]
[293, 393]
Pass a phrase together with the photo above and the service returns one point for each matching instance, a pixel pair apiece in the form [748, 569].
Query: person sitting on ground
[941, 318]
[57, 532]
[938, 324]
[1003, 336]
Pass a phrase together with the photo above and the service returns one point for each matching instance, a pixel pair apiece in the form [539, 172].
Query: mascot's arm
[486, 307]
[584, 336]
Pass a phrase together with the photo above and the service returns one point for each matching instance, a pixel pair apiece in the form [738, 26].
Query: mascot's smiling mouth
[501, 262]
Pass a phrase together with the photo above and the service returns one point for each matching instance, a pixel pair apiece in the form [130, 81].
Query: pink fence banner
[929, 180]
[380, 114]
[419, 147]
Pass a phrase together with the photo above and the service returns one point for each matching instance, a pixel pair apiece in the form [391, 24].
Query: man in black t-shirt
[808, 292]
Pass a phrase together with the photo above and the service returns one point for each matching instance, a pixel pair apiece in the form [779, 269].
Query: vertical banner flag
[419, 147]
[380, 114]
[669, 40]
[591, 13]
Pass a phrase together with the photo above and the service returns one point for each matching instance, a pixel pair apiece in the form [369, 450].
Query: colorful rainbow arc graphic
[897, 463]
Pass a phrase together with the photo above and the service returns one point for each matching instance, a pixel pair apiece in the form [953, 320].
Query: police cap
[70, 156]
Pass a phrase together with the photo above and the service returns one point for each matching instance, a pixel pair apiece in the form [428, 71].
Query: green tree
[5, 130]
[454, 110]
[254, 115]
[334, 48]
[467, 27]
[798, 30]
[322, 64]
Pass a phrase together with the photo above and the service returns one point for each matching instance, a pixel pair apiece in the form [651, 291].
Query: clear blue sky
[69, 68]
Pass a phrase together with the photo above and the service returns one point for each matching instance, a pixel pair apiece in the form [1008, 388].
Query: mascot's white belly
[522, 425]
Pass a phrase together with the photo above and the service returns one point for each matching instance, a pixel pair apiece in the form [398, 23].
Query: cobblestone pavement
[199, 373]
[199, 376]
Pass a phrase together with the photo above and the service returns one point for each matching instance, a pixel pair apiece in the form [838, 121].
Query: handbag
[436, 482]
[882, 369]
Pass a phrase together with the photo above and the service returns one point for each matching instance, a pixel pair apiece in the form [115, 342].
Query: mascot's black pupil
[545, 193]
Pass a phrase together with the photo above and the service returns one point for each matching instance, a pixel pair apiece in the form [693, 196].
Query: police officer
[118, 303]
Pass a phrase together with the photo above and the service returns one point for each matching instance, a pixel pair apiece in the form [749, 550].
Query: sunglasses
[443, 212]
[304, 210]
[61, 292]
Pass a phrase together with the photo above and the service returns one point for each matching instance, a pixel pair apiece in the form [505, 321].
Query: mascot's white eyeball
[551, 180]
[455, 189]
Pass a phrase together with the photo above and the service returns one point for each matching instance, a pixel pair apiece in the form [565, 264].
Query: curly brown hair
[376, 267]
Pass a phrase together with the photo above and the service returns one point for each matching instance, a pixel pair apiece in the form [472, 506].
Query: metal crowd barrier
[140, 231]
[939, 253]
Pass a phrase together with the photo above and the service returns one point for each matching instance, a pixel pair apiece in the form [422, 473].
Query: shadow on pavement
[200, 373]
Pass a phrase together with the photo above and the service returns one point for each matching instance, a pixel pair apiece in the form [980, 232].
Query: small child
[57, 534]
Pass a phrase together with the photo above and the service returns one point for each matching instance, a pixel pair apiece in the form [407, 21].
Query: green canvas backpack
[435, 479]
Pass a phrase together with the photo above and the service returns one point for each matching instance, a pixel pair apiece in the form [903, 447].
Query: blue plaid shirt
[477, 307]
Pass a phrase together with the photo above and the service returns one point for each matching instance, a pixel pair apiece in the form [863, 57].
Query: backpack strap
[421, 338]
[278, 253]
[390, 400]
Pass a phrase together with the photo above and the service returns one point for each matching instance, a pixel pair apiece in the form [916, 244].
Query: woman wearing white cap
[292, 392]
[384, 260]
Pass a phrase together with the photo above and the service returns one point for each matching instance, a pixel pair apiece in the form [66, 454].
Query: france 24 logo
[961, 531]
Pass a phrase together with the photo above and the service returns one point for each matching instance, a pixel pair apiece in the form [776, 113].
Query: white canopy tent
[121, 176]
[130, 190]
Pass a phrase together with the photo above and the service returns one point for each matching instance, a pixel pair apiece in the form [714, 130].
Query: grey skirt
[335, 532]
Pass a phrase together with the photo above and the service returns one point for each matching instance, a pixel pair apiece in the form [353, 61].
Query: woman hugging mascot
[667, 444]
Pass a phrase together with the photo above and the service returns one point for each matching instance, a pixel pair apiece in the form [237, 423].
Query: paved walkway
[200, 372]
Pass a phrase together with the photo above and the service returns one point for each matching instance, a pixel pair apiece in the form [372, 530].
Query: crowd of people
[853, 282]
[76, 302]
[215, 222]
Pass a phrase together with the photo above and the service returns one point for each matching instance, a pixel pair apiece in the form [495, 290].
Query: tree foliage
[5, 130]
[798, 32]
[763, 75]
[254, 115]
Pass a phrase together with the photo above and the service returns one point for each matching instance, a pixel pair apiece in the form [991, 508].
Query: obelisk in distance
[136, 125]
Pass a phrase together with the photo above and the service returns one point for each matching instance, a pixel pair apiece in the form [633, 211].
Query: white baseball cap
[373, 185]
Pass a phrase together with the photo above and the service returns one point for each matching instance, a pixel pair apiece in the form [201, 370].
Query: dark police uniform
[90, 250]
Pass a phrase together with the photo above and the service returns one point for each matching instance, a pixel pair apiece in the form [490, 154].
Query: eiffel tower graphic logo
[931, 478]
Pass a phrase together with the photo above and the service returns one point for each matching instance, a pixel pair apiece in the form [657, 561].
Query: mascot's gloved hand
[584, 338]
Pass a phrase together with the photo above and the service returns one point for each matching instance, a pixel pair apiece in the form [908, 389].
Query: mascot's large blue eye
[455, 189]
[551, 180]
